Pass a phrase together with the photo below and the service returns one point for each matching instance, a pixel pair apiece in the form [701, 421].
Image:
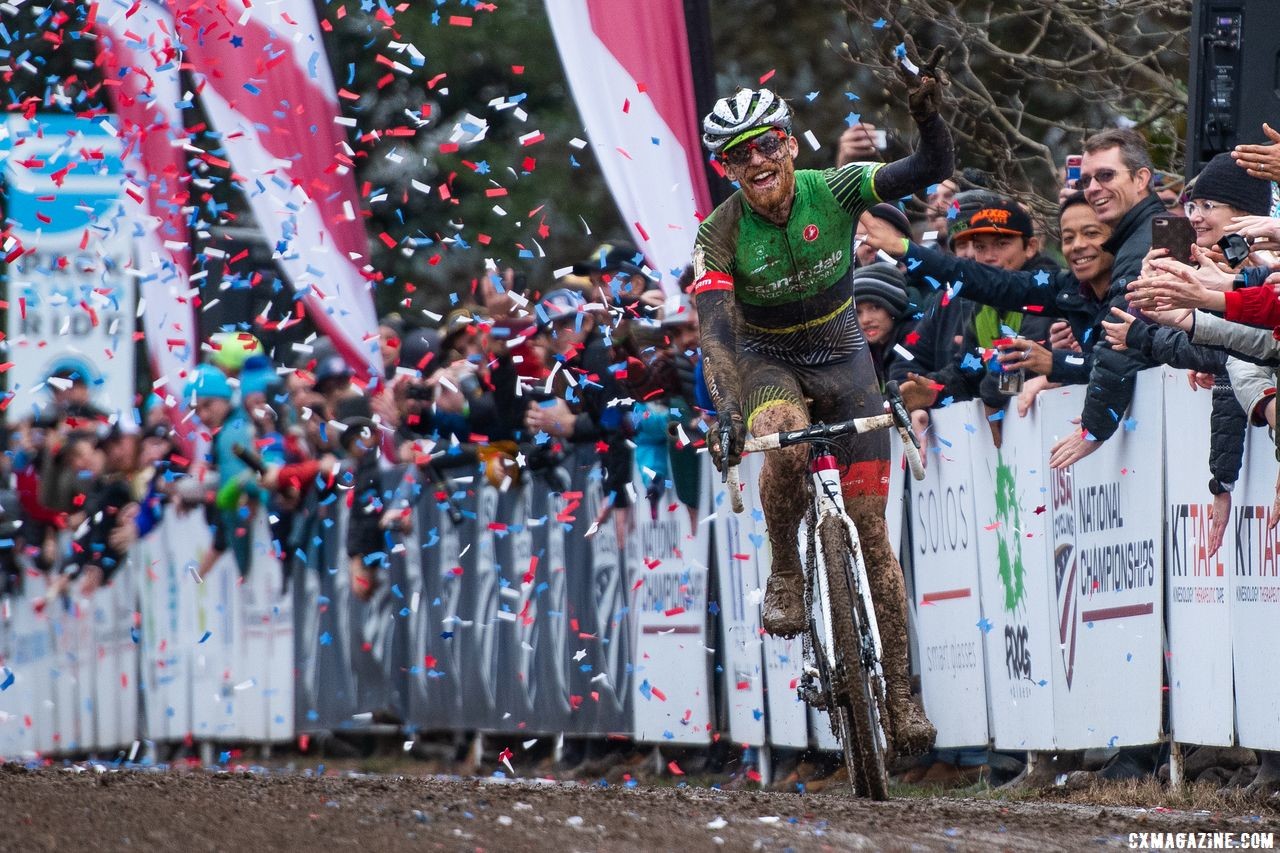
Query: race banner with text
[741, 547]
[1018, 626]
[1197, 597]
[71, 306]
[1108, 584]
[1254, 556]
[945, 565]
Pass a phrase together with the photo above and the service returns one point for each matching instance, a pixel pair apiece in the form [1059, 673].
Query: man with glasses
[1115, 178]
[772, 279]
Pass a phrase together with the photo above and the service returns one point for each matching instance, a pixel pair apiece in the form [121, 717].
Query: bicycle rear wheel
[857, 689]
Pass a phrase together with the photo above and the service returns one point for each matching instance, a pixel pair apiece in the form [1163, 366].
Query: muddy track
[60, 809]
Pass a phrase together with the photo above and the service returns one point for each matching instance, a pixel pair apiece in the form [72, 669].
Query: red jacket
[1254, 306]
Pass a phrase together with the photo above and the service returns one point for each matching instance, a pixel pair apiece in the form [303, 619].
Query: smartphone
[1073, 170]
[1173, 233]
[880, 137]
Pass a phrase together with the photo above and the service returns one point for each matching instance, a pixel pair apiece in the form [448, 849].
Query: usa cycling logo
[810, 233]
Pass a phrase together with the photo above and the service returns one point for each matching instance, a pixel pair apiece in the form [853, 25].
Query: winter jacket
[1111, 381]
[1048, 293]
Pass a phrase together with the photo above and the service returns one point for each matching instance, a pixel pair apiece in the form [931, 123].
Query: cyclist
[778, 325]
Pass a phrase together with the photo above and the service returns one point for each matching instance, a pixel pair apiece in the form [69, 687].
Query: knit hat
[892, 214]
[996, 214]
[881, 284]
[208, 383]
[1221, 180]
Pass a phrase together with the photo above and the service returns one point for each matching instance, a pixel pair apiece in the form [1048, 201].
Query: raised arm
[934, 160]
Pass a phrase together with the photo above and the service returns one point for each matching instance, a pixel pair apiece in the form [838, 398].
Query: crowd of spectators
[604, 357]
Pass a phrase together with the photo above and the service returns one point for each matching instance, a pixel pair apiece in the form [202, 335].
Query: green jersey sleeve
[853, 186]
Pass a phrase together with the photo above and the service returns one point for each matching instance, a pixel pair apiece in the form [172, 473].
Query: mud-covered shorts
[837, 390]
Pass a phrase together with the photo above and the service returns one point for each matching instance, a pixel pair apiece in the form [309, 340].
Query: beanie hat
[881, 284]
[892, 214]
[208, 383]
[1221, 180]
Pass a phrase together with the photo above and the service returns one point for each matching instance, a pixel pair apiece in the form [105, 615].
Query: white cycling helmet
[732, 120]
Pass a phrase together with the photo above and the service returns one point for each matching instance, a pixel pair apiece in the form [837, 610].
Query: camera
[1235, 248]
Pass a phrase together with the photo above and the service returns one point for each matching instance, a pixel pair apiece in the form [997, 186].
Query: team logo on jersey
[810, 232]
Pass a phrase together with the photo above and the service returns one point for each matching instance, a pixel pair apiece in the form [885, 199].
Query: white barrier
[1106, 516]
[1255, 600]
[1198, 591]
[1016, 577]
[945, 562]
[1057, 643]
[668, 556]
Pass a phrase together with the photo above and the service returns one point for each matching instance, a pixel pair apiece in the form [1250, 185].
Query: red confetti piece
[767, 76]
[674, 768]
[459, 21]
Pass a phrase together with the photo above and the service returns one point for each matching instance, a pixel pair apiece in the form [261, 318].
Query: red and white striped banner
[139, 55]
[265, 83]
[628, 66]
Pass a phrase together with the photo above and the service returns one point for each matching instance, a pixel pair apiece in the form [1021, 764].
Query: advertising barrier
[1040, 601]
[944, 559]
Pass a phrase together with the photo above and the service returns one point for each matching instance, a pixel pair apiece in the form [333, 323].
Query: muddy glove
[727, 440]
[924, 88]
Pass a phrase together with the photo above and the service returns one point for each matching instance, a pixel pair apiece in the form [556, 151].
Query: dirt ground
[94, 808]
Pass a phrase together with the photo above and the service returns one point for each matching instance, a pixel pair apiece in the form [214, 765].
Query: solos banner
[945, 561]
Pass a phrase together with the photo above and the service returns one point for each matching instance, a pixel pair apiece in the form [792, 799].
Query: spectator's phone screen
[1073, 170]
[1173, 233]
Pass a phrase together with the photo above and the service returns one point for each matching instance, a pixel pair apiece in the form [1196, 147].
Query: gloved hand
[924, 88]
[730, 426]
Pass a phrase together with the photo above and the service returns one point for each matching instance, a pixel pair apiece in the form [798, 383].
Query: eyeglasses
[1102, 176]
[769, 144]
[1204, 208]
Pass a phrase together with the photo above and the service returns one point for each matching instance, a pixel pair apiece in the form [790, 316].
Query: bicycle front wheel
[859, 708]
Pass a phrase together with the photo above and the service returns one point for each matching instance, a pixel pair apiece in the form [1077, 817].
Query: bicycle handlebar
[896, 417]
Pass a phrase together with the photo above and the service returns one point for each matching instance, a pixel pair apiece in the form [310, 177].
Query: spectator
[1078, 295]
[1116, 179]
[880, 295]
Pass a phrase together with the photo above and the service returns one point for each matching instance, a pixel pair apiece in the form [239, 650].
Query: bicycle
[842, 673]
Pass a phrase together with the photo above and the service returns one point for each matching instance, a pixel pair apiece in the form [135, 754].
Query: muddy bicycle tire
[857, 709]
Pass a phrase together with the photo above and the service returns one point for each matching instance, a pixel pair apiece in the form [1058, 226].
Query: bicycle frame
[824, 473]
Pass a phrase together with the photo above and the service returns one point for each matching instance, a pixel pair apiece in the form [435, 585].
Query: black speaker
[1235, 76]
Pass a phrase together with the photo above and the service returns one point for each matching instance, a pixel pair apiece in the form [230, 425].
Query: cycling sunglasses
[768, 144]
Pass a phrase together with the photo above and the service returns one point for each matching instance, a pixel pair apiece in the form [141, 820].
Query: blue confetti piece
[1042, 277]
[852, 118]
[8, 678]
[1130, 424]
[985, 625]
[207, 635]
[811, 96]
[646, 690]
[880, 24]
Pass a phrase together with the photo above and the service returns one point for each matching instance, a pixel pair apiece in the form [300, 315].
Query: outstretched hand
[925, 85]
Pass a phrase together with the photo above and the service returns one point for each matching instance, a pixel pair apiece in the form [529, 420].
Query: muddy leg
[784, 500]
[913, 734]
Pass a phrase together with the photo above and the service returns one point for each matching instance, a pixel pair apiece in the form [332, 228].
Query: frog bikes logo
[810, 233]
[1010, 568]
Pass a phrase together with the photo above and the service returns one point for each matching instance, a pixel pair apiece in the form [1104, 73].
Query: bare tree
[1030, 79]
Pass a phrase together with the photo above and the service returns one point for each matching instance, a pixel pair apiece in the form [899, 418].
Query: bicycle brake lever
[725, 433]
[894, 398]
